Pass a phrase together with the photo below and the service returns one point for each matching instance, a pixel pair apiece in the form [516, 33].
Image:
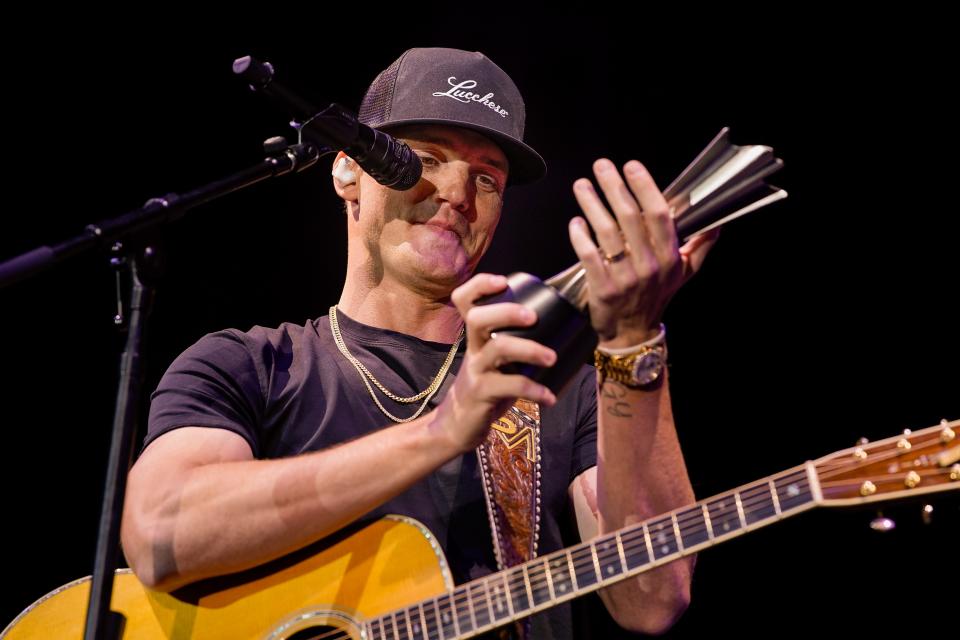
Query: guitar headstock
[914, 463]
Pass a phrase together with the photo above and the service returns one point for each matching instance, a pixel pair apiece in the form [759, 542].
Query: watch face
[648, 366]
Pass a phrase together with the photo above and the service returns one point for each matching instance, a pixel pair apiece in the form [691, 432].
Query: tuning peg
[927, 513]
[882, 524]
[863, 441]
[946, 434]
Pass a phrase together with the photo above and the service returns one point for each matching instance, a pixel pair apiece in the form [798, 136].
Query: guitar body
[386, 565]
[391, 579]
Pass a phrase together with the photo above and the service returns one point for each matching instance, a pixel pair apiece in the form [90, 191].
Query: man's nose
[453, 184]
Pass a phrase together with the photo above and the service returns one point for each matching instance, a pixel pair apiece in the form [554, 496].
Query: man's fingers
[517, 386]
[656, 212]
[506, 349]
[480, 285]
[483, 319]
[606, 228]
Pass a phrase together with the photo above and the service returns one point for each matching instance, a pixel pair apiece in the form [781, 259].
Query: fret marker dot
[563, 587]
[793, 491]
[416, 627]
[664, 550]
[446, 618]
[499, 605]
[609, 568]
[726, 526]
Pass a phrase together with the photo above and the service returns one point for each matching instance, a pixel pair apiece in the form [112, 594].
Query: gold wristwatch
[641, 369]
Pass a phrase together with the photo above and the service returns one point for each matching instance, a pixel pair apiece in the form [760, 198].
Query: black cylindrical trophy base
[560, 326]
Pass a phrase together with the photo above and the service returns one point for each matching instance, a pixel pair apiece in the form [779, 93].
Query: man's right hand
[482, 393]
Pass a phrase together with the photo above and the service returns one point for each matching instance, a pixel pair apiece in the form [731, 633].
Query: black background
[822, 319]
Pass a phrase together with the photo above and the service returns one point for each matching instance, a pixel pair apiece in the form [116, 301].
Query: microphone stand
[140, 258]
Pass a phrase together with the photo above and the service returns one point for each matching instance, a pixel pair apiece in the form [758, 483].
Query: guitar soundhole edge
[320, 632]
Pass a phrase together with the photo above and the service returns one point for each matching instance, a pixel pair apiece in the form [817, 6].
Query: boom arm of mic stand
[160, 211]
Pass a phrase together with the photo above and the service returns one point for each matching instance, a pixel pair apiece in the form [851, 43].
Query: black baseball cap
[456, 88]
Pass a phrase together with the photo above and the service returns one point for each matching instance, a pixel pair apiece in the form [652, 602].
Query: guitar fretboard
[493, 601]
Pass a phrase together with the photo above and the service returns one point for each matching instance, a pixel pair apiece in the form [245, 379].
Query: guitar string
[327, 635]
[631, 541]
[537, 573]
[635, 540]
[846, 465]
[605, 550]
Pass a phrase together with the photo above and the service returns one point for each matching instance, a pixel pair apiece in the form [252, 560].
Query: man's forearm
[641, 474]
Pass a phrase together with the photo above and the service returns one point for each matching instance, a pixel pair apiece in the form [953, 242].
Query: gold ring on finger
[617, 257]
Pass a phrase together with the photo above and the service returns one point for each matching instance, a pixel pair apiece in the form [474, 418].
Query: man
[312, 426]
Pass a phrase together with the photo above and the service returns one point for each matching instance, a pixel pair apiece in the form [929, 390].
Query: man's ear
[346, 178]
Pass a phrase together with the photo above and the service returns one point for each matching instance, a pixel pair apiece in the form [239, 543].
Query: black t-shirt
[289, 390]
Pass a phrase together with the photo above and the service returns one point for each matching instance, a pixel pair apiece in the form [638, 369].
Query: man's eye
[488, 183]
[429, 161]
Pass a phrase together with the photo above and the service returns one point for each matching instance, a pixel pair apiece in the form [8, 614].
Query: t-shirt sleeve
[585, 433]
[214, 383]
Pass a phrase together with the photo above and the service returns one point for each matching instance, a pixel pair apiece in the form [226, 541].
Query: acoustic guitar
[390, 580]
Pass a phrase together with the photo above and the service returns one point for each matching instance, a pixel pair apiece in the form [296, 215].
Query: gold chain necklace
[368, 377]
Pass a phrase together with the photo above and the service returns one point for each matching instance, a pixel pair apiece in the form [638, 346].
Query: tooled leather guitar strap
[510, 471]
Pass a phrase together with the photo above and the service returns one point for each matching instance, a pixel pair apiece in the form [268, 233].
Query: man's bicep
[583, 495]
[188, 447]
[167, 459]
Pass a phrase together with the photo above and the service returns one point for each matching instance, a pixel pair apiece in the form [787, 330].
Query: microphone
[388, 161]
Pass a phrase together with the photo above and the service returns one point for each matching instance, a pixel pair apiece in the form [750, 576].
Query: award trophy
[724, 182]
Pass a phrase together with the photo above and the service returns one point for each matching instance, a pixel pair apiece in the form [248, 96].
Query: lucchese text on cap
[457, 93]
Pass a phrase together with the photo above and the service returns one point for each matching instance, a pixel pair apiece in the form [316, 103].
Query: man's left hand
[638, 265]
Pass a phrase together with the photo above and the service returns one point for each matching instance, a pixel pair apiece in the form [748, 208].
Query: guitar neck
[512, 594]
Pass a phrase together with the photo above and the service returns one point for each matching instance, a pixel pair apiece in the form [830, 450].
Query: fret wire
[486, 594]
[396, 630]
[623, 556]
[546, 571]
[475, 591]
[456, 618]
[561, 568]
[606, 554]
[473, 615]
[423, 621]
[739, 502]
[706, 520]
[634, 545]
[493, 585]
[526, 580]
[584, 563]
[573, 572]
[541, 582]
[676, 532]
[517, 588]
[596, 561]
[646, 537]
[439, 618]
[506, 595]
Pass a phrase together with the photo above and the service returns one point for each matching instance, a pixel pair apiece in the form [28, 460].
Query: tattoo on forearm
[616, 392]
